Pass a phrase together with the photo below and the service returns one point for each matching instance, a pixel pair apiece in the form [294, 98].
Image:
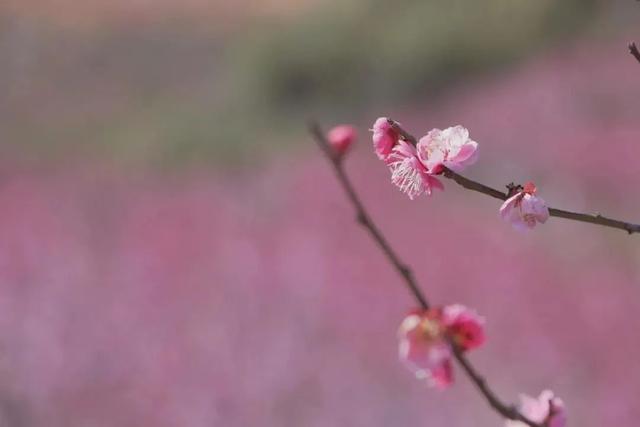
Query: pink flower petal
[409, 173]
[508, 207]
[468, 153]
[424, 349]
[546, 409]
[442, 376]
[450, 147]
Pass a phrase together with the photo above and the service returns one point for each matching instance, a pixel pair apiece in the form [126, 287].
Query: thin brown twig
[363, 217]
[489, 191]
[507, 411]
[633, 50]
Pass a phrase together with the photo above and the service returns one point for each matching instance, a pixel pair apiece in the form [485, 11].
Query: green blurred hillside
[170, 91]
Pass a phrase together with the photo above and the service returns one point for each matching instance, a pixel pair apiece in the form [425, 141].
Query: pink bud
[384, 138]
[341, 138]
[530, 188]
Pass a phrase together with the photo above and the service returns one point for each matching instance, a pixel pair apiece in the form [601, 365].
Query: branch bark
[363, 217]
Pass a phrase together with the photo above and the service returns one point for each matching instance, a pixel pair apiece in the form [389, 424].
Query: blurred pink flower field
[205, 299]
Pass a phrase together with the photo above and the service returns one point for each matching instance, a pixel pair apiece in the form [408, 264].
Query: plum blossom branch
[363, 218]
[633, 50]
[489, 191]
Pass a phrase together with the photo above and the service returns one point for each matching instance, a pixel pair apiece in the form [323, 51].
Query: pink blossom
[424, 350]
[546, 409]
[425, 338]
[524, 209]
[450, 147]
[384, 138]
[464, 326]
[409, 173]
[341, 138]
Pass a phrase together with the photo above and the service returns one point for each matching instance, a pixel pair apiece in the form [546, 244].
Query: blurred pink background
[207, 290]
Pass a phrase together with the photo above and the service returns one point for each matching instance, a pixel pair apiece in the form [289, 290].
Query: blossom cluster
[426, 340]
[414, 168]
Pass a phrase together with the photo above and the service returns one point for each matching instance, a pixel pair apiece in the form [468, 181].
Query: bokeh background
[174, 251]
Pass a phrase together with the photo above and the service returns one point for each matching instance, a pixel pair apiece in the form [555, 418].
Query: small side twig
[507, 411]
[633, 50]
[472, 185]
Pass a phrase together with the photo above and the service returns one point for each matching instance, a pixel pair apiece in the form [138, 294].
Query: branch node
[513, 189]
